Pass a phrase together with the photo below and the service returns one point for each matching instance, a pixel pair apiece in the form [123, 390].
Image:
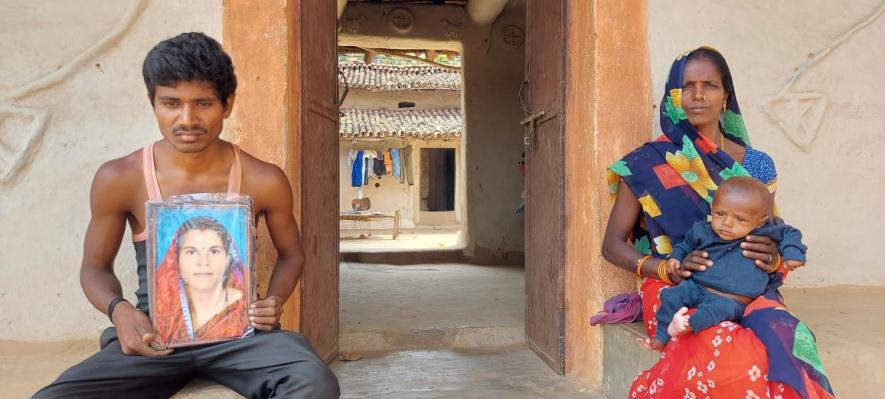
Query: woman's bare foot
[651, 344]
[679, 325]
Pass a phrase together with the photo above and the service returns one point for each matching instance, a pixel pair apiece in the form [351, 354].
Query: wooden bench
[367, 216]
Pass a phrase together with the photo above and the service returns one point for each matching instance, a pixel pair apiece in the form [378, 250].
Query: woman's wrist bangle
[776, 263]
[662, 273]
[112, 305]
[639, 263]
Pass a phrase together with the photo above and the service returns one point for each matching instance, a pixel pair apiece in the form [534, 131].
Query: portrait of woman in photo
[200, 293]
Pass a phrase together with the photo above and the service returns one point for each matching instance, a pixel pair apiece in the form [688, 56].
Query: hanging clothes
[388, 163]
[397, 167]
[371, 159]
[406, 156]
[367, 170]
[379, 168]
[357, 165]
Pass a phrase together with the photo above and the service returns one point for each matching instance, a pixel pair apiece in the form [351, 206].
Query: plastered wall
[71, 97]
[819, 113]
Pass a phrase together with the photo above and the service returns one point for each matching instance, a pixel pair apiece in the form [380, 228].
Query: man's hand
[696, 261]
[135, 332]
[265, 313]
[761, 249]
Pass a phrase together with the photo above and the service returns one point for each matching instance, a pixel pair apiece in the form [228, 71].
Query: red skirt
[724, 361]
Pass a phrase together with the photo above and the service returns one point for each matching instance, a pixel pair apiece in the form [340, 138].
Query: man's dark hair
[189, 57]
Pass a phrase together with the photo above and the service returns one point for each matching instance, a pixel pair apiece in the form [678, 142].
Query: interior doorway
[438, 179]
[428, 105]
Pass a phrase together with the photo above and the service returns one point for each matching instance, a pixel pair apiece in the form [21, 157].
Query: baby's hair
[748, 186]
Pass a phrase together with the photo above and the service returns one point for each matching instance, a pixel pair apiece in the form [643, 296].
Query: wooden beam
[412, 57]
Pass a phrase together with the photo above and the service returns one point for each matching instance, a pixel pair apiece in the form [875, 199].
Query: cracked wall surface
[809, 78]
[71, 97]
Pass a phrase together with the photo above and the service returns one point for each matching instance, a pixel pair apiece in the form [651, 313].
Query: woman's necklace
[722, 141]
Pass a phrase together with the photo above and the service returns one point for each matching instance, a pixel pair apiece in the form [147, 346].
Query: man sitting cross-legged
[191, 84]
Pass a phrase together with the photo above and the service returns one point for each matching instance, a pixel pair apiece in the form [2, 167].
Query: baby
[720, 293]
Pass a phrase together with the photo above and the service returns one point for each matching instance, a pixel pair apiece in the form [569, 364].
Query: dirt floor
[850, 332]
[846, 320]
[426, 238]
[459, 306]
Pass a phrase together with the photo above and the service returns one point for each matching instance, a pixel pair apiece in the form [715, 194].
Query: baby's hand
[793, 264]
[672, 266]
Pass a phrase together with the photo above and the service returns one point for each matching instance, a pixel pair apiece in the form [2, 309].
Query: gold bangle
[776, 264]
[639, 263]
[662, 273]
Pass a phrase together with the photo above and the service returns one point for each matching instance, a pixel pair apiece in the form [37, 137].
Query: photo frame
[201, 273]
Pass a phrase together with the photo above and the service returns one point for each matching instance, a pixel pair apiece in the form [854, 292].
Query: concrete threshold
[413, 257]
[430, 338]
[513, 372]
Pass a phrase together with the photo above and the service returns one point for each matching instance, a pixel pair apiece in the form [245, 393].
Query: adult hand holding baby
[695, 261]
[763, 250]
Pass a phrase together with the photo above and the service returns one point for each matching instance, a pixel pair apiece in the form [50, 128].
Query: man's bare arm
[103, 237]
[109, 205]
[277, 194]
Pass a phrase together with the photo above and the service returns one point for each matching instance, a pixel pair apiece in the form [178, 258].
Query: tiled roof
[389, 77]
[416, 123]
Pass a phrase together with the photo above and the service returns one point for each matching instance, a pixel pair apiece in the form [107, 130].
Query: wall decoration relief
[451, 28]
[18, 147]
[352, 24]
[401, 19]
[512, 36]
[799, 114]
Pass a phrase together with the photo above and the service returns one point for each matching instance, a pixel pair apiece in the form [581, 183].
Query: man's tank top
[139, 241]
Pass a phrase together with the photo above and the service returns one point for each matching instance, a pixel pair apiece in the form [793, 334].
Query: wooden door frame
[609, 110]
[263, 37]
[545, 220]
[608, 105]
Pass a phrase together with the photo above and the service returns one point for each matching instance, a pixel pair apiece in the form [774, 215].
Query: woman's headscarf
[172, 316]
[675, 177]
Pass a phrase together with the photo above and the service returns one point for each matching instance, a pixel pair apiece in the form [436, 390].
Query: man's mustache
[181, 129]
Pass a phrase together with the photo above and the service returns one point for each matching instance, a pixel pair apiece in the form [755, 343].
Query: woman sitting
[669, 185]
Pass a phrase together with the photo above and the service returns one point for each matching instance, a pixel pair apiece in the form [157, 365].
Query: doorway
[293, 64]
[438, 179]
[444, 107]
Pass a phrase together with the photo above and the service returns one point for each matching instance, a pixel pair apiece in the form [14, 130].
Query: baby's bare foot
[679, 325]
[651, 344]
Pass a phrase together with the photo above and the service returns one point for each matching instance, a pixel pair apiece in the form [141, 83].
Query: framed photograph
[201, 277]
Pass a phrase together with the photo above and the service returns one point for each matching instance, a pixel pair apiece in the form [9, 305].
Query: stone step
[380, 340]
[404, 257]
[204, 389]
[623, 358]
